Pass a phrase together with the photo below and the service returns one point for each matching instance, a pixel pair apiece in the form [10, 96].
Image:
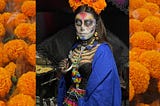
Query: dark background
[54, 15]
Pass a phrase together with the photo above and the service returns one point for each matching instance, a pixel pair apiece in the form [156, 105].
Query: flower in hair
[97, 5]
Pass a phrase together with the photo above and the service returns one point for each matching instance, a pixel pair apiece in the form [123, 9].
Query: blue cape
[103, 87]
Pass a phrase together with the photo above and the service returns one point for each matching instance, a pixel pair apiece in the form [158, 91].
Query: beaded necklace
[76, 77]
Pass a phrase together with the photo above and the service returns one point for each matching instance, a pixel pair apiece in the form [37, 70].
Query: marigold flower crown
[97, 5]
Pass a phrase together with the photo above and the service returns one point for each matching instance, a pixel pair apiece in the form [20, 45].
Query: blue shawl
[103, 87]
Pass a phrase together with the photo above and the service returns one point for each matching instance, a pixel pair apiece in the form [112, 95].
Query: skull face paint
[85, 25]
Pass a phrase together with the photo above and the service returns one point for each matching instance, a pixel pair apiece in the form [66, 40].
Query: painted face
[85, 25]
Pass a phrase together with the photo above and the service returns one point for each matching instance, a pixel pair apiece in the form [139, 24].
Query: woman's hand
[64, 65]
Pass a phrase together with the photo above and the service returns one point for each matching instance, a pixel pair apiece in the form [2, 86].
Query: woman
[90, 76]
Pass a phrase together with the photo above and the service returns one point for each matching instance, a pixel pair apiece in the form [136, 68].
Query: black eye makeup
[88, 22]
[78, 22]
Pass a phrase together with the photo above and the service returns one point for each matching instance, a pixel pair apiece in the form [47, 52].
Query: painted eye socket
[88, 22]
[78, 22]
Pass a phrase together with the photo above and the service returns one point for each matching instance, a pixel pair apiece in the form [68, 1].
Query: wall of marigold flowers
[17, 52]
[144, 54]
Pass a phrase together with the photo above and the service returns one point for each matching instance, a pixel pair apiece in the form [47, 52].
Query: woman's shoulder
[104, 47]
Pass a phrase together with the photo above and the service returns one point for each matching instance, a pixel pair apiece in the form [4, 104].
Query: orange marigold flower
[15, 48]
[1, 19]
[97, 5]
[134, 4]
[151, 60]
[20, 18]
[143, 40]
[142, 104]
[32, 33]
[2, 30]
[31, 54]
[139, 75]
[152, 7]
[27, 84]
[154, 1]
[134, 53]
[159, 86]
[138, 51]
[158, 47]
[11, 67]
[21, 100]
[29, 8]
[158, 38]
[135, 26]
[141, 13]
[3, 57]
[1, 62]
[133, 56]
[130, 14]
[157, 14]
[151, 24]
[5, 82]
[22, 30]
[6, 16]
[158, 2]
[20, 1]
[2, 103]
[131, 91]
[2, 5]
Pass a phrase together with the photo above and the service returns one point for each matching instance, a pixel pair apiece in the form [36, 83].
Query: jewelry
[77, 37]
[76, 59]
[96, 35]
[76, 77]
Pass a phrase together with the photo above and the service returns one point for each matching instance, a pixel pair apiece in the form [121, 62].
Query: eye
[88, 22]
[78, 22]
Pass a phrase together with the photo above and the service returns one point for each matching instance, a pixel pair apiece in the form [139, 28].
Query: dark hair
[100, 28]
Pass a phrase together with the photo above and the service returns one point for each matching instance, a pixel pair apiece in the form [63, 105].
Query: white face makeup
[85, 25]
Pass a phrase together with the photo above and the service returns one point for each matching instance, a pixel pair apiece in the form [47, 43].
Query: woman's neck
[87, 42]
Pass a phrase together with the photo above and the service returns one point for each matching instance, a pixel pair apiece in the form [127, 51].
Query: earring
[77, 37]
[96, 35]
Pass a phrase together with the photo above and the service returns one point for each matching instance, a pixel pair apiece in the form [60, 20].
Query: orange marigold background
[11, 68]
[143, 40]
[27, 84]
[21, 100]
[29, 8]
[151, 24]
[15, 48]
[2, 103]
[151, 60]
[2, 5]
[5, 82]
[31, 54]
[131, 90]
[135, 26]
[2, 30]
[139, 75]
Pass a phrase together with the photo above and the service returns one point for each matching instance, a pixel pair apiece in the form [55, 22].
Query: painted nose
[82, 28]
